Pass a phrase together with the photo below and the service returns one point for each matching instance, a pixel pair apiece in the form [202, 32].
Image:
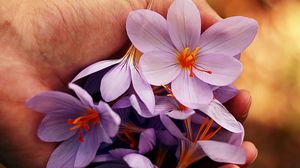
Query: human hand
[43, 45]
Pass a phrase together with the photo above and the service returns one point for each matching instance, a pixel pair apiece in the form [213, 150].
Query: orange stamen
[212, 134]
[128, 130]
[187, 60]
[206, 129]
[200, 129]
[84, 122]
[168, 89]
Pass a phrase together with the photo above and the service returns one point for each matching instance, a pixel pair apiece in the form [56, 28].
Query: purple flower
[168, 106]
[174, 51]
[80, 124]
[208, 139]
[119, 78]
[136, 161]
[133, 160]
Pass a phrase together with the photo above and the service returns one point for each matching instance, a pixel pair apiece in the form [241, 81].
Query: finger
[239, 105]
[251, 153]
[208, 15]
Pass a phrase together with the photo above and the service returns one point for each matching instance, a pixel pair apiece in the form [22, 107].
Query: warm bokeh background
[272, 75]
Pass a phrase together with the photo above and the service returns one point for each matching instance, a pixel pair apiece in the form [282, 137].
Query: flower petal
[190, 91]
[54, 128]
[119, 153]
[88, 148]
[223, 152]
[95, 68]
[147, 140]
[123, 102]
[173, 129]
[64, 155]
[229, 36]
[237, 138]
[147, 30]
[104, 158]
[115, 82]
[142, 88]
[165, 104]
[225, 70]
[140, 107]
[225, 93]
[222, 116]
[159, 68]
[135, 160]
[181, 114]
[184, 24]
[55, 102]
[109, 119]
[82, 94]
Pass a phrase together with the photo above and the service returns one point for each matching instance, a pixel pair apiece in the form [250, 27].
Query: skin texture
[44, 44]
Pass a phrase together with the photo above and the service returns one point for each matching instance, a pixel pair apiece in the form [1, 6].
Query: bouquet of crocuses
[160, 104]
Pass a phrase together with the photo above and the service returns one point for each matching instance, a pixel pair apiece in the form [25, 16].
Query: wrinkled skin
[44, 44]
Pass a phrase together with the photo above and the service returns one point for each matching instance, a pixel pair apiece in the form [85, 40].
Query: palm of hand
[43, 45]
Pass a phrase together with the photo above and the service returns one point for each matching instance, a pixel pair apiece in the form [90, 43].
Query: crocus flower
[80, 124]
[119, 78]
[176, 53]
[168, 106]
[209, 139]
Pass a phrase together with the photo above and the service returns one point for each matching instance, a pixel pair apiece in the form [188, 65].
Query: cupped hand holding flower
[44, 44]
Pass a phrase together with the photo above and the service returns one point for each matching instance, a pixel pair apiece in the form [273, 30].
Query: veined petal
[190, 91]
[82, 94]
[55, 102]
[225, 93]
[222, 116]
[147, 30]
[54, 128]
[88, 148]
[225, 70]
[140, 107]
[135, 160]
[147, 140]
[181, 114]
[95, 68]
[229, 36]
[109, 119]
[115, 82]
[142, 88]
[64, 155]
[159, 68]
[223, 152]
[184, 24]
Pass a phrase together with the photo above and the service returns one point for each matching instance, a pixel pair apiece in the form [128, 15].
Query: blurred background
[272, 75]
